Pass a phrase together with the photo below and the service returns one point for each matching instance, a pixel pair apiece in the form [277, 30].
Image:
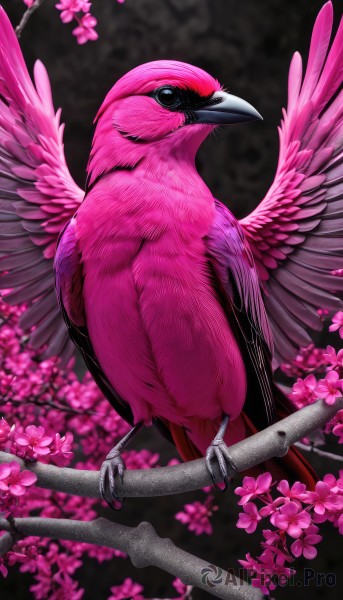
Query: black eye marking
[178, 99]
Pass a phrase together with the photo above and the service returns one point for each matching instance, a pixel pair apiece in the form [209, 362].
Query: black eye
[167, 96]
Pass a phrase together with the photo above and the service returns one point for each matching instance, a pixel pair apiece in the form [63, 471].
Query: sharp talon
[112, 466]
[218, 452]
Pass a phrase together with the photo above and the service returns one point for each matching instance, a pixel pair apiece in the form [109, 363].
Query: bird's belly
[163, 339]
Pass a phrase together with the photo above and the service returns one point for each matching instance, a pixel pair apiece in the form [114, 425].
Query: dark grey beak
[225, 108]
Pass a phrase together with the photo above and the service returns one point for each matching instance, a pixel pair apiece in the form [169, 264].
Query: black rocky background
[247, 45]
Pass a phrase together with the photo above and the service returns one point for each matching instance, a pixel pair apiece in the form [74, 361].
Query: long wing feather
[236, 280]
[37, 194]
[295, 233]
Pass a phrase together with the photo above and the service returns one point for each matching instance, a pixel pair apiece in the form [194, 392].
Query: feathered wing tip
[16, 83]
[295, 233]
[37, 194]
[323, 75]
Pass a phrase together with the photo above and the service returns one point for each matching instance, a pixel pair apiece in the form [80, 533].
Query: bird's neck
[162, 158]
[147, 190]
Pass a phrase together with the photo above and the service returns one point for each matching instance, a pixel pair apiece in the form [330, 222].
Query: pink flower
[292, 519]
[85, 31]
[309, 359]
[303, 391]
[329, 388]
[14, 481]
[305, 544]
[264, 569]
[249, 519]
[180, 587]
[3, 568]
[323, 499]
[335, 485]
[197, 516]
[62, 454]
[297, 491]
[5, 432]
[69, 9]
[254, 487]
[335, 426]
[271, 537]
[337, 323]
[28, 2]
[340, 524]
[334, 358]
[128, 589]
[34, 441]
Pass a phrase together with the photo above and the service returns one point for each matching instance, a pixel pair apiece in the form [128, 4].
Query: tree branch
[27, 14]
[6, 541]
[319, 452]
[144, 547]
[164, 481]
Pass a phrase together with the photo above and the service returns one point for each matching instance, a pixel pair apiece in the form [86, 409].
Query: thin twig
[27, 14]
[316, 450]
[144, 547]
[52, 404]
[186, 477]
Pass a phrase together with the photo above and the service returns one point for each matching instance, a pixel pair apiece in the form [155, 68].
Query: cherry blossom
[264, 571]
[291, 519]
[70, 8]
[180, 587]
[85, 30]
[34, 441]
[309, 360]
[197, 516]
[335, 359]
[249, 519]
[329, 388]
[337, 426]
[297, 491]
[128, 589]
[254, 487]
[5, 431]
[62, 454]
[337, 323]
[303, 391]
[323, 499]
[3, 568]
[305, 544]
[14, 481]
[78, 11]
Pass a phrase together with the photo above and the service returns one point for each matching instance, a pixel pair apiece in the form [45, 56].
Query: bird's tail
[293, 466]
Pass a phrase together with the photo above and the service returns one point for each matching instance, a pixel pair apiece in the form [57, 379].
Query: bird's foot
[218, 452]
[112, 466]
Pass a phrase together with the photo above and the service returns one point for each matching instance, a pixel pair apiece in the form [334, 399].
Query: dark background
[247, 45]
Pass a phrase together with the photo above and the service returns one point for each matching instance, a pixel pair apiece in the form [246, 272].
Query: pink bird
[175, 305]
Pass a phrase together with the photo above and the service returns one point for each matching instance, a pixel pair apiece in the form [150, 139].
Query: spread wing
[238, 287]
[37, 194]
[295, 233]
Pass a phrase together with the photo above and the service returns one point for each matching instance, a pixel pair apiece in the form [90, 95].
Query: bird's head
[164, 104]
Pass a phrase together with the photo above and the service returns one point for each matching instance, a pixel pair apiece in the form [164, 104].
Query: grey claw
[217, 452]
[113, 465]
